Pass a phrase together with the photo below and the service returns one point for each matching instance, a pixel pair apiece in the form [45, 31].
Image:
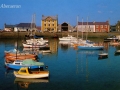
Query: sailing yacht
[87, 44]
[34, 43]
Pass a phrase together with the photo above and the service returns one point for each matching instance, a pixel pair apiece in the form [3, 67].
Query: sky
[21, 11]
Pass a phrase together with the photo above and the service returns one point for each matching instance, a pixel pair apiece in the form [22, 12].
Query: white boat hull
[33, 46]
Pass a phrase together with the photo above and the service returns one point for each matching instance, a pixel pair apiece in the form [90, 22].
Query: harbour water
[70, 69]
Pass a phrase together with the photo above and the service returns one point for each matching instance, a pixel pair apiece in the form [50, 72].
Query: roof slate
[53, 17]
[93, 23]
[9, 26]
[25, 25]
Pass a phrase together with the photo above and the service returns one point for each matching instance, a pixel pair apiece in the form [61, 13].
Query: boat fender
[46, 67]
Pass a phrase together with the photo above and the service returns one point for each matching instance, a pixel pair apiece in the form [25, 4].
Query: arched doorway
[64, 27]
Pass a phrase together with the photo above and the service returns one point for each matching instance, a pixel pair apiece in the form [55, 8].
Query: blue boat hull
[90, 48]
[19, 66]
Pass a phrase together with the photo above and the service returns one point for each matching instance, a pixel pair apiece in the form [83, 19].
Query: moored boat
[24, 63]
[26, 73]
[13, 58]
[117, 52]
[114, 43]
[25, 45]
[110, 39]
[68, 38]
[102, 55]
[90, 47]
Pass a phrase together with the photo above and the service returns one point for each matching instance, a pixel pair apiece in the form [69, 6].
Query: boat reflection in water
[24, 83]
[92, 53]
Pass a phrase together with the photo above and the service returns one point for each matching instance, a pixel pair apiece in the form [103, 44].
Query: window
[105, 26]
[97, 26]
[17, 63]
[23, 71]
[101, 26]
[103, 30]
[97, 30]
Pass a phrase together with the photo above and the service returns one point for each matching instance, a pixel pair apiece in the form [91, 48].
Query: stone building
[8, 27]
[118, 26]
[93, 26]
[49, 23]
[65, 27]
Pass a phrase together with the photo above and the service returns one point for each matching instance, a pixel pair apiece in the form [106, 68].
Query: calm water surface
[70, 69]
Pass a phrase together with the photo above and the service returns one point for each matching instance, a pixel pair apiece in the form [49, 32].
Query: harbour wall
[15, 35]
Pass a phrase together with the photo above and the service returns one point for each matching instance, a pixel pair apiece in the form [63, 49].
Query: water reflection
[24, 83]
[71, 69]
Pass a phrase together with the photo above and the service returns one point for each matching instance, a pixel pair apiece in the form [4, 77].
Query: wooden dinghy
[19, 54]
[12, 58]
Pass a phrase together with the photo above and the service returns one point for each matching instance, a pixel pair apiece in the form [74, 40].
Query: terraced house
[93, 26]
[118, 26]
[49, 23]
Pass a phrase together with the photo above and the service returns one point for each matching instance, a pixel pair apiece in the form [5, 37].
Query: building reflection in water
[53, 43]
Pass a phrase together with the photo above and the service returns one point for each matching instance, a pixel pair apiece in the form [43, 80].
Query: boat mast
[17, 43]
[82, 28]
[87, 29]
[32, 24]
[77, 27]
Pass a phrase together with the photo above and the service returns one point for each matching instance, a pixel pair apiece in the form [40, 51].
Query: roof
[93, 23]
[26, 25]
[32, 62]
[53, 17]
[9, 26]
[38, 27]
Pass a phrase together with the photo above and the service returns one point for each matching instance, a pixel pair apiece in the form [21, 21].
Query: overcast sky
[21, 11]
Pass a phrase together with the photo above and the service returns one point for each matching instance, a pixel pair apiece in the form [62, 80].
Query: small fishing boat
[19, 54]
[24, 63]
[46, 51]
[114, 43]
[14, 58]
[26, 45]
[110, 39]
[117, 52]
[90, 47]
[68, 38]
[102, 55]
[25, 72]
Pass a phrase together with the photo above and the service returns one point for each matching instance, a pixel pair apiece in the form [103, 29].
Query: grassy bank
[10, 35]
